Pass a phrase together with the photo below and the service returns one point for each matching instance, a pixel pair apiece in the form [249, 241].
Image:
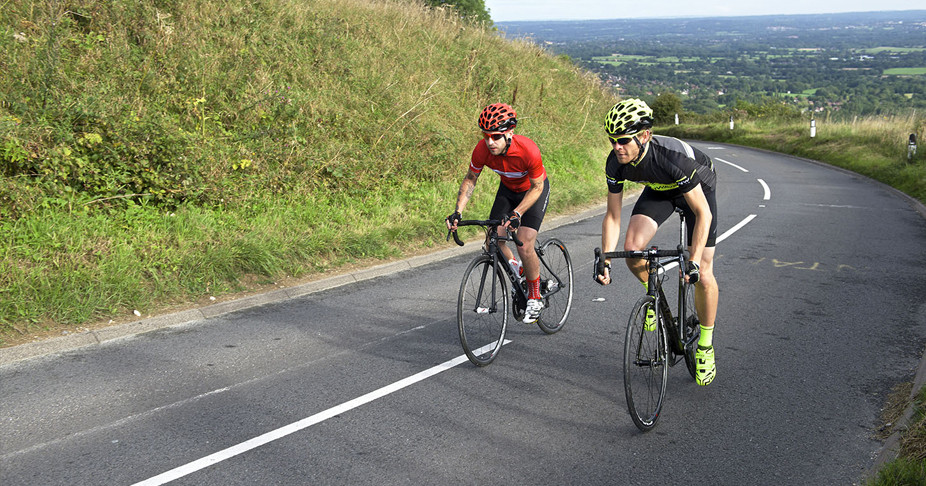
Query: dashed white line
[768, 192]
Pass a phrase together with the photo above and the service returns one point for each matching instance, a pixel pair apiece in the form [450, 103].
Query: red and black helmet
[497, 117]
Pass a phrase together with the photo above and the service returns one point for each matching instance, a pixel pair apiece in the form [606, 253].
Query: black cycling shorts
[659, 208]
[506, 200]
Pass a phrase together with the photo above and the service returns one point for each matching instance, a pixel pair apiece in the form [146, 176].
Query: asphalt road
[821, 314]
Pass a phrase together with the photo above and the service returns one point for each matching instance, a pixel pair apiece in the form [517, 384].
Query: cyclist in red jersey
[522, 197]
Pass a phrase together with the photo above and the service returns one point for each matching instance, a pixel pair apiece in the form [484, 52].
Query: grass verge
[154, 156]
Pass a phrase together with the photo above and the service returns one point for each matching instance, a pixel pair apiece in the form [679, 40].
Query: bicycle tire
[555, 274]
[482, 315]
[645, 366]
[690, 328]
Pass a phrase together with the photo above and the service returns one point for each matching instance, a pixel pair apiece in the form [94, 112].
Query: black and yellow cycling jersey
[669, 166]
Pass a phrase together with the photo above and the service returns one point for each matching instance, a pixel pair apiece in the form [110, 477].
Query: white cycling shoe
[532, 312]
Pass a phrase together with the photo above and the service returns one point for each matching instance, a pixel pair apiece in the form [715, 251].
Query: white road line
[273, 435]
[736, 228]
[731, 164]
[768, 192]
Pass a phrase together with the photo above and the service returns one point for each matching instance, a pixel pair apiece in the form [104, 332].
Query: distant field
[905, 71]
[803, 94]
[877, 50]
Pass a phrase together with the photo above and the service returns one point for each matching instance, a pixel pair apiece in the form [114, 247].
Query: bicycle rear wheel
[482, 311]
[690, 328]
[555, 285]
[645, 366]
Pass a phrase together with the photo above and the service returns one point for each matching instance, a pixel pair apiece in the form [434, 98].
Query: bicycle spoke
[482, 311]
[645, 367]
[556, 282]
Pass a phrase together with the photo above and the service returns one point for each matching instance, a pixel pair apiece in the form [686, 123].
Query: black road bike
[484, 299]
[655, 338]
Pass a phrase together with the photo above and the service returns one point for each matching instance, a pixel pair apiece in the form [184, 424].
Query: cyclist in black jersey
[675, 175]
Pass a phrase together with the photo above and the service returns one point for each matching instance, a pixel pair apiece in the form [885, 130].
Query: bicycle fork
[493, 308]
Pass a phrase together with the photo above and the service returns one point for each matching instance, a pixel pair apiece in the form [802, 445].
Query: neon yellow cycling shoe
[706, 369]
[650, 323]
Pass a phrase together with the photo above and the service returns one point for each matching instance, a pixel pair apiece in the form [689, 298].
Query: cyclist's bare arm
[611, 229]
[698, 204]
[465, 193]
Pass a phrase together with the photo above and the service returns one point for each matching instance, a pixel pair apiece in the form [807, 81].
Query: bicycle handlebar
[485, 223]
[649, 254]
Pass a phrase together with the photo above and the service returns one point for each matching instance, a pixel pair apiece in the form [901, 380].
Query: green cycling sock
[707, 337]
[645, 285]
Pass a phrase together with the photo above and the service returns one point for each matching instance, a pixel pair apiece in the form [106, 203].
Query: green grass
[898, 50]
[906, 71]
[153, 156]
[909, 468]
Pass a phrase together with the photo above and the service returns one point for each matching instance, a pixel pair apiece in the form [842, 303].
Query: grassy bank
[154, 156]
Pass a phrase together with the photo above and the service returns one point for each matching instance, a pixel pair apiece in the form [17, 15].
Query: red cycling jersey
[517, 167]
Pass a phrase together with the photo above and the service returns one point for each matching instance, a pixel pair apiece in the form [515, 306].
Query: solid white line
[768, 192]
[273, 435]
[736, 228]
[731, 164]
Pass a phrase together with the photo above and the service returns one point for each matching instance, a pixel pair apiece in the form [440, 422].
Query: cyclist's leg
[530, 227]
[527, 233]
[706, 291]
[529, 260]
[503, 205]
[706, 294]
[649, 212]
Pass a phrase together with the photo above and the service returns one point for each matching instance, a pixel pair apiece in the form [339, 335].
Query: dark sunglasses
[493, 136]
[621, 140]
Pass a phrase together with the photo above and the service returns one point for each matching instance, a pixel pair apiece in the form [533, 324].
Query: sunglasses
[621, 140]
[493, 136]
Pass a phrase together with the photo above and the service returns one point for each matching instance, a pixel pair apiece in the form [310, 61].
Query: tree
[469, 9]
[665, 106]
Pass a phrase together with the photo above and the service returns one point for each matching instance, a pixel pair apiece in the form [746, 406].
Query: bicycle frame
[492, 249]
[657, 260]
[482, 315]
[648, 354]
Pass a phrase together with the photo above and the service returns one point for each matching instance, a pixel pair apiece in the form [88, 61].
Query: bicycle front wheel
[690, 328]
[482, 311]
[645, 366]
[555, 285]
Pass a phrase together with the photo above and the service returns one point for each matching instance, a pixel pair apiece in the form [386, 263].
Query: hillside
[153, 156]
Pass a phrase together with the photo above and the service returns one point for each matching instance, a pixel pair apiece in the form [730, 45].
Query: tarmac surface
[98, 336]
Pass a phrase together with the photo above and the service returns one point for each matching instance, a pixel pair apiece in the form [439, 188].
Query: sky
[508, 10]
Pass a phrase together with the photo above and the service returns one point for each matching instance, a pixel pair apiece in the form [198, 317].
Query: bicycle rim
[555, 284]
[482, 312]
[690, 328]
[645, 367]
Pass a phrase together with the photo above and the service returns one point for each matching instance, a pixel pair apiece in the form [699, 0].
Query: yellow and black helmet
[628, 117]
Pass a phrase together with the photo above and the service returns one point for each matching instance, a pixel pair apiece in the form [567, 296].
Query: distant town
[853, 63]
